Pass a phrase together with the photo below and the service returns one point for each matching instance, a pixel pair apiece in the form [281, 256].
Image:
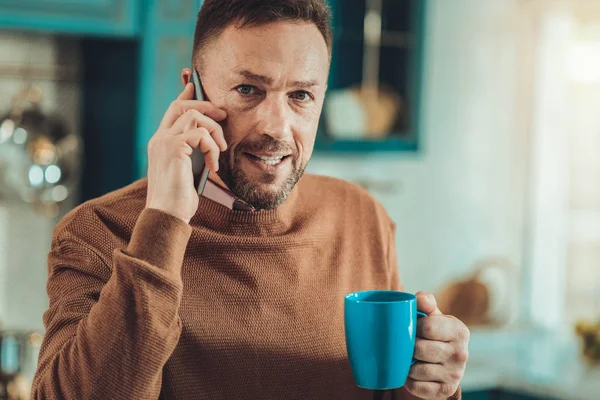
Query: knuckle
[461, 355]
[455, 375]
[464, 333]
[152, 145]
[174, 105]
[451, 317]
[218, 132]
[183, 147]
[191, 115]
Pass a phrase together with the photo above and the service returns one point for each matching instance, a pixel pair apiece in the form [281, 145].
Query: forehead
[274, 49]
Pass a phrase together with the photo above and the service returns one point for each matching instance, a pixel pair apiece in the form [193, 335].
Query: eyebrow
[265, 80]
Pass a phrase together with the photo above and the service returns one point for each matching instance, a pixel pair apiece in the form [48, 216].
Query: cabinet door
[373, 98]
[166, 48]
[94, 17]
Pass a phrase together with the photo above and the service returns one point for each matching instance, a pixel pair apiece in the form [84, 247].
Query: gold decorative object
[471, 299]
[589, 334]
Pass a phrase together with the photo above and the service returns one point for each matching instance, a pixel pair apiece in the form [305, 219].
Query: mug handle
[419, 315]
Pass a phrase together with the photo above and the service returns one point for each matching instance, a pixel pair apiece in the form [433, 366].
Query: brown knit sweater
[235, 305]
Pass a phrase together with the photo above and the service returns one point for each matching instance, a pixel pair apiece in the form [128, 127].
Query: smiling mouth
[270, 160]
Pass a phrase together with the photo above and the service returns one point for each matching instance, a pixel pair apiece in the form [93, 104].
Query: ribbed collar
[209, 210]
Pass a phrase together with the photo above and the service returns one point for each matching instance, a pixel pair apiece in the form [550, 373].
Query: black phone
[199, 95]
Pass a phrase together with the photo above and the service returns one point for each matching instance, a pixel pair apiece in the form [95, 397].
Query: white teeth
[270, 160]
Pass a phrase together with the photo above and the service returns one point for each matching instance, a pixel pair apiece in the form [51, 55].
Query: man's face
[271, 81]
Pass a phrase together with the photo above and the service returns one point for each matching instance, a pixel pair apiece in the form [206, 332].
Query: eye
[246, 90]
[301, 95]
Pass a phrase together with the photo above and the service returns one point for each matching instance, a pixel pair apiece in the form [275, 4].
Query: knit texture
[235, 305]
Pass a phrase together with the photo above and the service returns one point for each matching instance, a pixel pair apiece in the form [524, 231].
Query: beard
[252, 190]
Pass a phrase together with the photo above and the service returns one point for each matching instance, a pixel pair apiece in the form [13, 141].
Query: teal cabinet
[90, 17]
[374, 90]
[133, 53]
[127, 87]
[166, 48]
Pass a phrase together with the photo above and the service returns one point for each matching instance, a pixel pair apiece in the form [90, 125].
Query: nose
[274, 116]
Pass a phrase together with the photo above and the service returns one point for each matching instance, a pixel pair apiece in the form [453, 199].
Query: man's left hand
[441, 352]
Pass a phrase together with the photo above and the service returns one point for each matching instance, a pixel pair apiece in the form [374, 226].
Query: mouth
[268, 160]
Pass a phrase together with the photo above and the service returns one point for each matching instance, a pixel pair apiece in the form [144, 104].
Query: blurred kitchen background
[475, 122]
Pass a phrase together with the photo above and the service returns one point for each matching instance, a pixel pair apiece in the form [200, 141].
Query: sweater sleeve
[110, 330]
[402, 393]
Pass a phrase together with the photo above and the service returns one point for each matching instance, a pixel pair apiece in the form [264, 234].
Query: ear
[186, 76]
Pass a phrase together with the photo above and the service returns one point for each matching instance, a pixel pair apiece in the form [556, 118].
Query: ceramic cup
[380, 328]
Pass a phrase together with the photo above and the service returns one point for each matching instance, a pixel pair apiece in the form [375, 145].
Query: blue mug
[380, 327]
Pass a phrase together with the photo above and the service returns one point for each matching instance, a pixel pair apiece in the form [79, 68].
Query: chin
[263, 196]
[263, 188]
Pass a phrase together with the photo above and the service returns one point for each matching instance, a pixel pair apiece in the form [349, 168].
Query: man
[156, 292]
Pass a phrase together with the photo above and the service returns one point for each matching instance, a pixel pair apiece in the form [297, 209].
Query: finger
[427, 372]
[187, 93]
[200, 139]
[433, 351]
[426, 303]
[193, 119]
[440, 327]
[179, 107]
[429, 390]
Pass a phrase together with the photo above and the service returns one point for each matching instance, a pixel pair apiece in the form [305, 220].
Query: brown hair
[216, 15]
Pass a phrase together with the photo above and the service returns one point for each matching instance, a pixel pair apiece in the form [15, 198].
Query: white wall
[25, 235]
[25, 240]
[462, 197]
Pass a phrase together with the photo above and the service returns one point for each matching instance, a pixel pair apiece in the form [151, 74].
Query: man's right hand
[187, 125]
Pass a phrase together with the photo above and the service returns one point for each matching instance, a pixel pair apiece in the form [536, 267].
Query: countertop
[529, 362]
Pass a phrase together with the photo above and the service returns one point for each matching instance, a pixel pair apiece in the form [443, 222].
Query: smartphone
[199, 95]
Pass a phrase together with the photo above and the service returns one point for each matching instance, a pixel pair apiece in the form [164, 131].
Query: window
[564, 229]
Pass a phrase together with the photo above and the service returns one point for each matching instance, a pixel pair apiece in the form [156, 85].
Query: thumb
[426, 303]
